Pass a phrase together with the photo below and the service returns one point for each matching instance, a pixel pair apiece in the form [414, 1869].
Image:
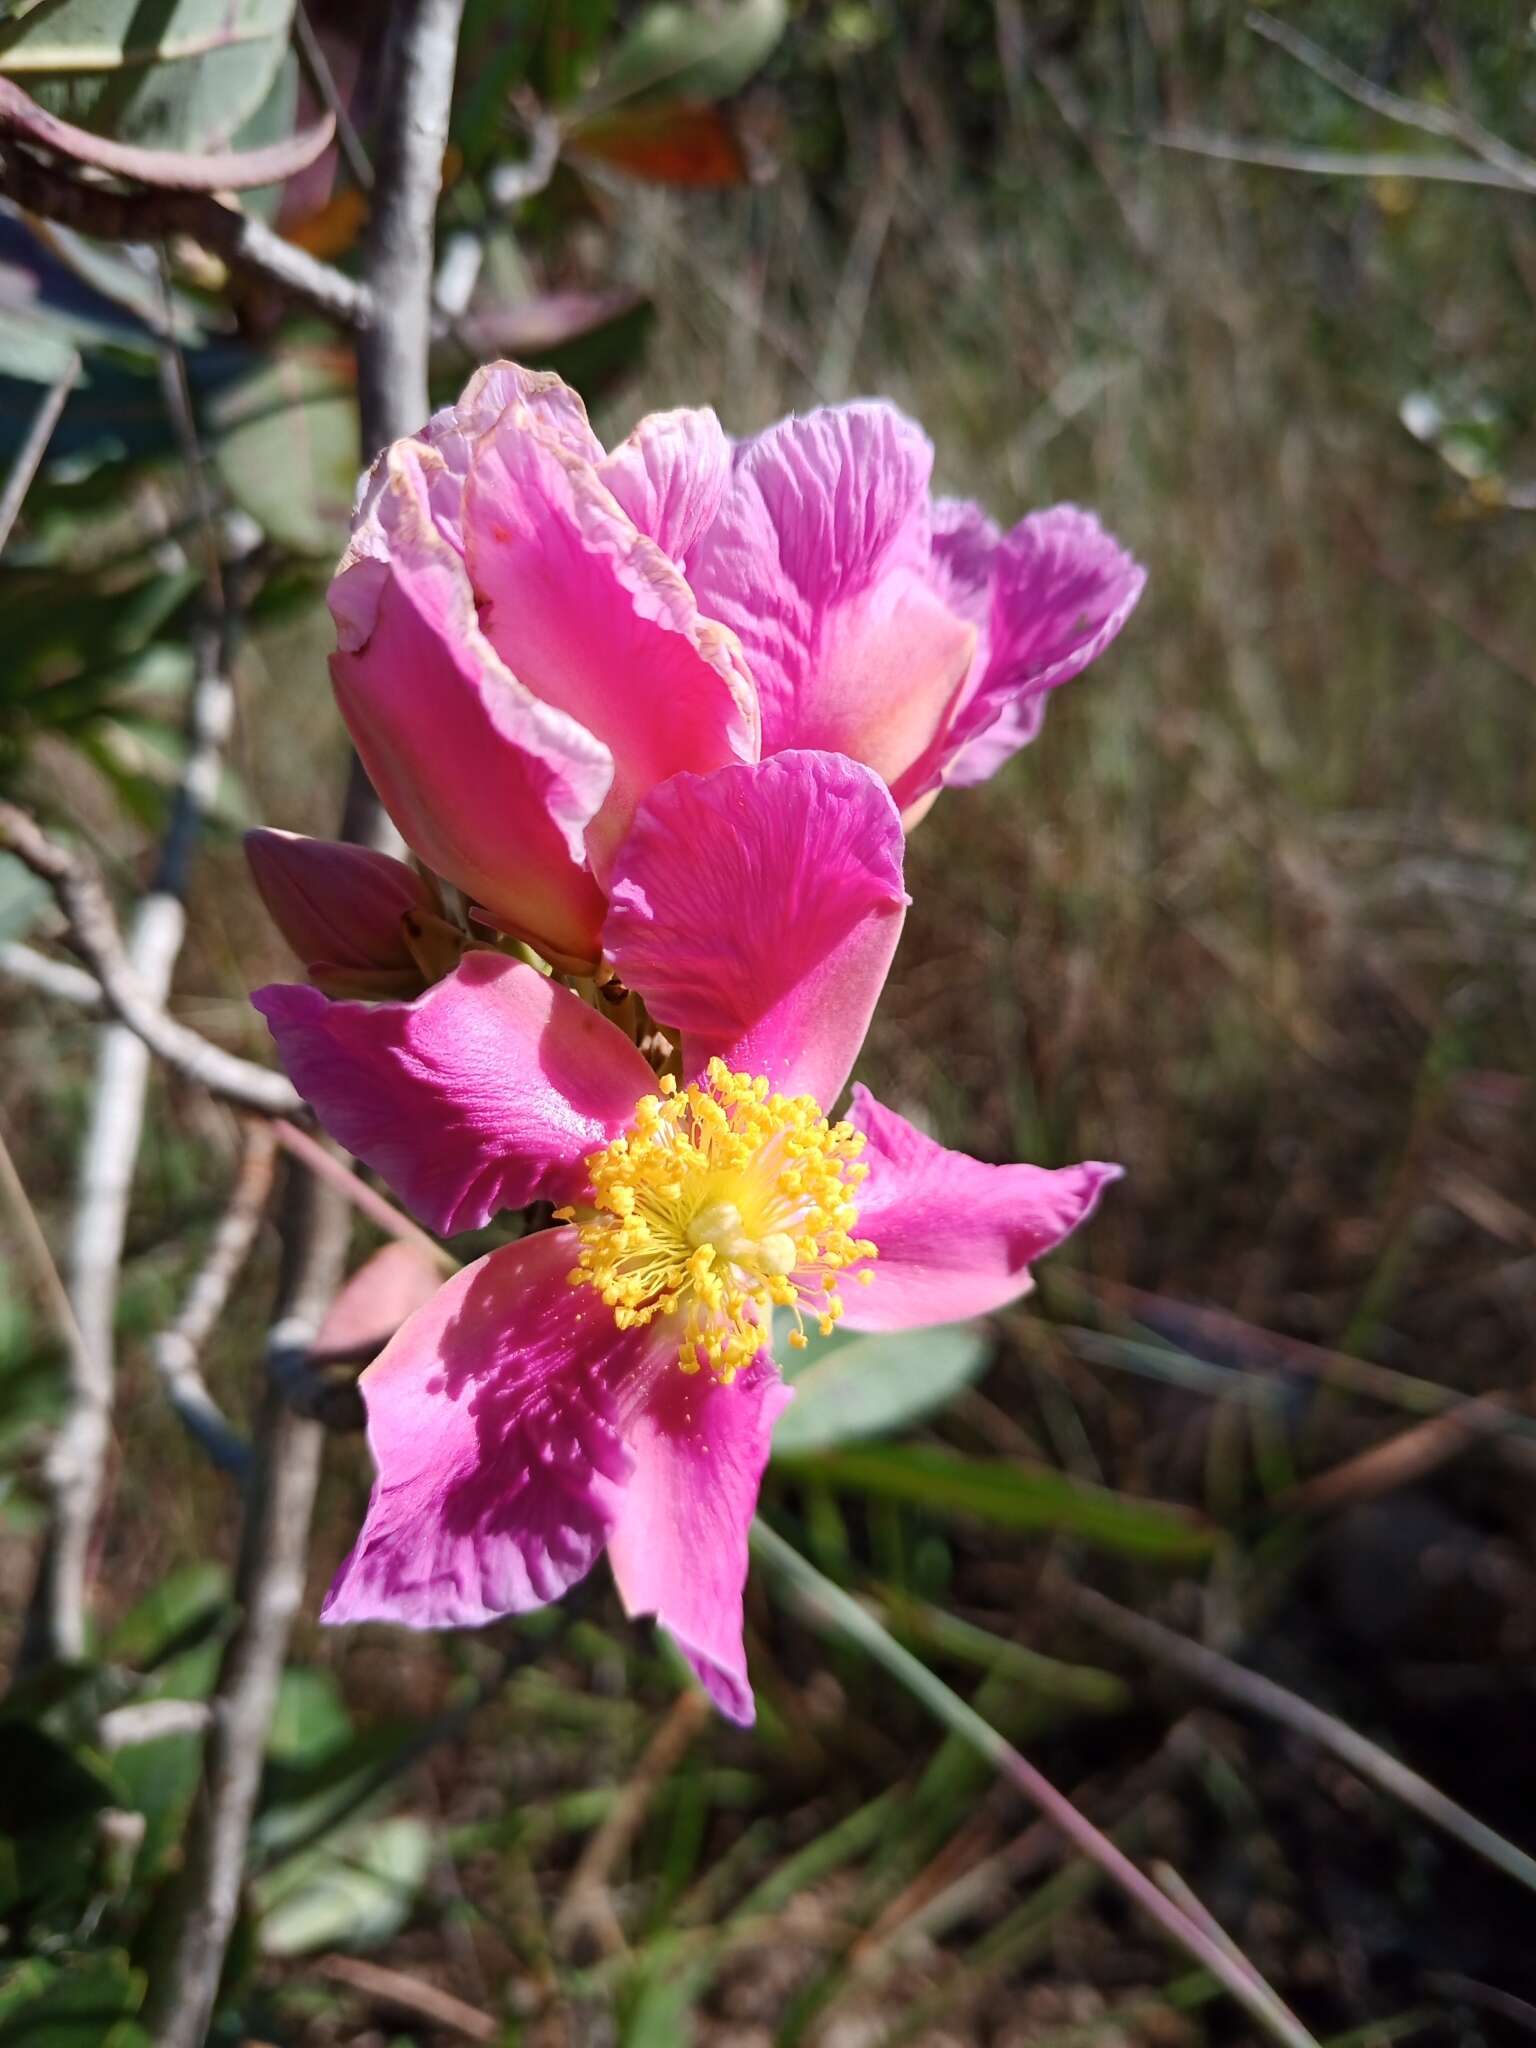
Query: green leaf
[310, 1722]
[87, 2002]
[703, 52]
[288, 449]
[184, 74]
[868, 1386]
[1010, 1496]
[355, 1891]
[182, 1603]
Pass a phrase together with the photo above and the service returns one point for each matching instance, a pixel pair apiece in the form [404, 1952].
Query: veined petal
[818, 562]
[494, 1419]
[492, 787]
[670, 475]
[1061, 590]
[597, 620]
[484, 1094]
[954, 1237]
[757, 909]
[679, 1546]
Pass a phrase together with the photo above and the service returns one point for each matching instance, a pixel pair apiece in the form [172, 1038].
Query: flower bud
[343, 910]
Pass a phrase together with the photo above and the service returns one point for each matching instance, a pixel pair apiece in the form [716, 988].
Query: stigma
[723, 1201]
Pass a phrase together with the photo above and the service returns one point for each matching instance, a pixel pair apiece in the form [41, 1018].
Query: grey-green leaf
[874, 1385]
[184, 75]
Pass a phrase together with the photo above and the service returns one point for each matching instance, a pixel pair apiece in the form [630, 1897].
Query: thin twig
[91, 931]
[366, 1200]
[1448, 122]
[176, 1349]
[1261, 1695]
[411, 1995]
[30, 455]
[150, 1721]
[316, 64]
[828, 1607]
[248, 246]
[1338, 163]
[30, 1231]
[585, 1897]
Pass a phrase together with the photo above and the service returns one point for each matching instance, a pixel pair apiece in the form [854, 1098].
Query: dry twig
[92, 932]
[32, 450]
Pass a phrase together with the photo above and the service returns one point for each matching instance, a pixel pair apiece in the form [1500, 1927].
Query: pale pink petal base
[955, 1237]
[757, 909]
[493, 1422]
[485, 1093]
[679, 1546]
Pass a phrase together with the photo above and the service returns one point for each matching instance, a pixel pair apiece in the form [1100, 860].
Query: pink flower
[609, 1382]
[533, 633]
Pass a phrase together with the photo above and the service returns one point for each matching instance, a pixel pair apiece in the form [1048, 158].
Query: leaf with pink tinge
[757, 909]
[383, 1293]
[679, 1546]
[486, 1093]
[494, 1418]
[954, 1236]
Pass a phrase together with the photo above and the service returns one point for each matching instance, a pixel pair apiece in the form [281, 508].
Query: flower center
[722, 1202]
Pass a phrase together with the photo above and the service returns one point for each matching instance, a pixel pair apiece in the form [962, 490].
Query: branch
[397, 255]
[175, 1351]
[30, 455]
[247, 245]
[269, 1586]
[392, 379]
[54, 978]
[92, 932]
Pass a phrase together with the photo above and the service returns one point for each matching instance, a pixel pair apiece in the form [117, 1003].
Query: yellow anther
[722, 1202]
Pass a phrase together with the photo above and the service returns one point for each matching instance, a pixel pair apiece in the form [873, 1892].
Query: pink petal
[340, 908]
[757, 909]
[596, 620]
[670, 475]
[965, 543]
[494, 1422]
[1062, 589]
[486, 1093]
[818, 562]
[679, 1547]
[955, 1237]
[492, 788]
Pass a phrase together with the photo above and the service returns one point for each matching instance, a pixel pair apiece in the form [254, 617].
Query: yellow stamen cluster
[723, 1202]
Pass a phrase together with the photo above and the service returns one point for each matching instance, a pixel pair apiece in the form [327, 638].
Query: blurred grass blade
[828, 1608]
[1012, 1496]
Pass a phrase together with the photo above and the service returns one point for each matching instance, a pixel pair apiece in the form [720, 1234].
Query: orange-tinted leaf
[332, 229]
[666, 144]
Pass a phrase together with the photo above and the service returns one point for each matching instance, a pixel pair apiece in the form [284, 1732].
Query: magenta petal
[955, 1237]
[486, 1093]
[757, 909]
[1062, 589]
[819, 562]
[493, 1418]
[492, 788]
[596, 620]
[670, 475]
[679, 1547]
